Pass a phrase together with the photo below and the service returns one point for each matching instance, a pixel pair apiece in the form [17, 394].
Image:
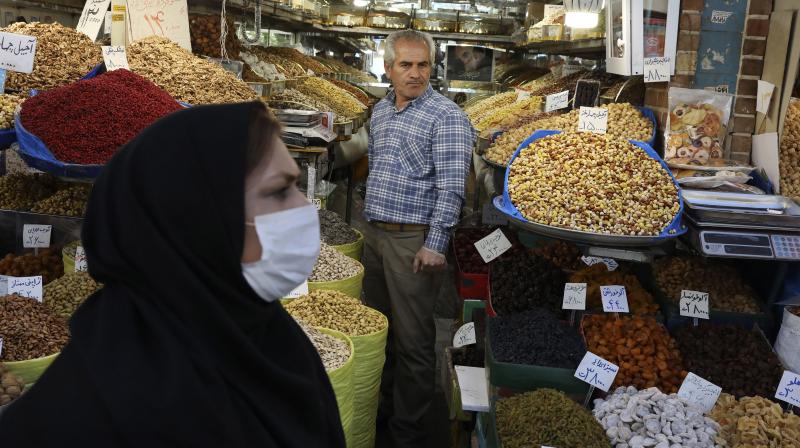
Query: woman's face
[270, 188]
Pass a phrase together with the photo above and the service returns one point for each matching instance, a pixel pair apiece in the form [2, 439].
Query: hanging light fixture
[582, 13]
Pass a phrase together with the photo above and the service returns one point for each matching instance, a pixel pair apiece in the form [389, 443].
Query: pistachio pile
[334, 352]
[64, 295]
[334, 230]
[546, 417]
[342, 103]
[337, 311]
[11, 386]
[592, 183]
[754, 422]
[503, 117]
[63, 55]
[47, 263]
[70, 201]
[353, 90]
[333, 265]
[484, 107]
[30, 330]
[8, 104]
[21, 191]
[790, 152]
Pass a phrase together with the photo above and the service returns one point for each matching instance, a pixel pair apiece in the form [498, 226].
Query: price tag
[492, 245]
[596, 371]
[764, 96]
[115, 58]
[464, 335]
[523, 95]
[107, 23]
[720, 16]
[722, 88]
[317, 203]
[491, 216]
[17, 52]
[30, 287]
[657, 69]
[574, 296]
[36, 236]
[694, 304]
[80, 259]
[611, 264]
[169, 19]
[312, 182]
[556, 101]
[1, 347]
[593, 119]
[301, 290]
[615, 299]
[789, 388]
[379, 21]
[94, 12]
[699, 391]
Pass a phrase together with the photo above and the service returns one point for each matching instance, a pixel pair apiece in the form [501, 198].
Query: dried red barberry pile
[88, 121]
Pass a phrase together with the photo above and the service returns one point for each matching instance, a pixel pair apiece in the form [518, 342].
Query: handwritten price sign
[593, 119]
[115, 58]
[694, 304]
[611, 264]
[615, 299]
[492, 246]
[699, 391]
[556, 101]
[465, 335]
[596, 371]
[92, 17]
[30, 287]
[36, 236]
[80, 259]
[574, 296]
[657, 69]
[167, 18]
[17, 52]
[301, 290]
[789, 388]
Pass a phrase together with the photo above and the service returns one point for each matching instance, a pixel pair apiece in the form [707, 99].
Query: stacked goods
[646, 354]
[546, 417]
[754, 422]
[739, 361]
[351, 89]
[790, 152]
[11, 386]
[64, 295]
[8, 104]
[334, 352]
[639, 418]
[501, 118]
[524, 282]
[184, 76]
[562, 254]
[341, 102]
[63, 55]
[46, 263]
[584, 181]
[639, 300]
[536, 337]
[727, 291]
[111, 108]
[333, 265]
[334, 230]
[69, 201]
[30, 330]
[290, 54]
[205, 32]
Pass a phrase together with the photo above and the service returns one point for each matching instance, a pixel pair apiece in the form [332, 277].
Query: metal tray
[742, 208]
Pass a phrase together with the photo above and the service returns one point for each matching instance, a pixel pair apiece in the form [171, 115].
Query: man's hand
[429, 260]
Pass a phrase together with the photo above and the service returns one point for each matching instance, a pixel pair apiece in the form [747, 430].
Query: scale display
[750, 245]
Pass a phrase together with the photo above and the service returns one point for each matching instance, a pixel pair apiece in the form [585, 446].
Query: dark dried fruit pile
[525, 282]
[469, 260]
[535, 337]
[47, 264]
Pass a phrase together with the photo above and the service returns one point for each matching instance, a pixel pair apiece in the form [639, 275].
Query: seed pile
[790, 152]
[592, 183]
[739, 361]
[650, 418]
[334, 230]
[754, 422]
[30, 330]
[469, 259]
[21, 191]
[337, 311]
[639, 300]
[70, 201]
[333, 265]
[525, 282]
[63, 55]
[646, 354]
[8, 104]
[723, 282]
[535, 337]
[47, 264]
[64, 295]
[562, 254]
[546, 417]
[185, 76]
[11, 386]
[111, 108]
[334, 352]
[341, 102]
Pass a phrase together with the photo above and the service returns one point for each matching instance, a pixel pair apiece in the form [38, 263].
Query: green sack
[370, 355]
[350, 286]
[31, 369]
[353, 250]
[342, 382]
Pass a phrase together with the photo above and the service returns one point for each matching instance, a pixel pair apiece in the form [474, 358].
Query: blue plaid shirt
[418, 164]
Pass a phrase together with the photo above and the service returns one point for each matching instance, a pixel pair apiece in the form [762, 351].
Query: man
[420, 146]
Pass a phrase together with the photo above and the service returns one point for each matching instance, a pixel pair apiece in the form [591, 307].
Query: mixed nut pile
[337, 311]
[8, 104]
[341, 102]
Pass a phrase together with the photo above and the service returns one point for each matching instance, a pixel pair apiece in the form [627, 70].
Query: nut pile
[562, 254]
[64, 295]
[524, 282]
[290, 54]
[650, 418]
[504, 146]
[723, 282]
[754, 422]
[63, 55]
[284, 66]
[183, 75]
[47, 264]
[507, 115]
[21, 191]
[342, 103]
[739, 361]
[11, 386]
[592, 183]
[204, 31]
[337, 311]
[569, 82]
[333, 265]
[70, 201]
[790, 152]
[639, 300]
[468, 257]
[293, 99]
[352, 90]
[8, 104]
[546, 417]
[646, 354]
[334, 352]
[536, 337]
[334, 230]
[262, 70]
[341, 67]
[483, 108]
[30, 330]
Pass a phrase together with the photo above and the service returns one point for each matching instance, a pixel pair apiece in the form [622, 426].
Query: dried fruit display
[30, 330]
[11, 386]
[525, 282]
[307, 62]
[639, 300]
[205, 32]
[536, 337]
[754, 422]
[46, 263]
[351, 89]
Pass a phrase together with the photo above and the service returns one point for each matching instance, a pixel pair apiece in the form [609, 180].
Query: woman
[195, 228]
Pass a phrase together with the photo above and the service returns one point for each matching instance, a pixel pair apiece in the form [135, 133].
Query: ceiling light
[577, 19]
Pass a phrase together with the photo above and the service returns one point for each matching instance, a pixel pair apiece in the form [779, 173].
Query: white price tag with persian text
[523, 95]
[556, 101]
[30, 287]
[657, 69]
[312, 182]
[464, 335]
[80, 259]
[615, 299]
[115, 58]
[699, 391]
[301, 290]
[694, 304]
[493, 245]
[574, 296]
[593, 119]
[36, 236]
[789, 388]
[596, 371]
[17, 52]
[611, 264]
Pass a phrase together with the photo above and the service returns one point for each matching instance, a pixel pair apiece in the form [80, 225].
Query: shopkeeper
[420, 146]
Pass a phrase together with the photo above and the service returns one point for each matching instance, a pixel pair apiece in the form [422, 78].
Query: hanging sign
[464, 335]
[17, 52]
[593, 119]
[92, 17]
[615, 299]
[168, 19]
[596, 371]
[699, 391]
[115, 58]
[493, 245]
[30, 287]
[36, 236]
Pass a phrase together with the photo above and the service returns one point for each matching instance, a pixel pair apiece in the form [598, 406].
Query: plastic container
[31, 369]
[350, 286]
[470, 285]
[353, 250]
[343, 387]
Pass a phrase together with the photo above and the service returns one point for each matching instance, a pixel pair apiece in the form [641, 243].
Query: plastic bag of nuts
[333, 265]
[337, 311]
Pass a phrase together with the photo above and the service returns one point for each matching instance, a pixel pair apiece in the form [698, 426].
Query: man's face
[469, 58]
[411, 69]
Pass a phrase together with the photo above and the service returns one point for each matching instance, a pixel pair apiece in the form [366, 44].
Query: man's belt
[394, 227]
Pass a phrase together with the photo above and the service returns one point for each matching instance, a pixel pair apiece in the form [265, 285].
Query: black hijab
[177, 349]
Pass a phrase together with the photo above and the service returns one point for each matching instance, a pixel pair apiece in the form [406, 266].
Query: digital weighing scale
[736, 225]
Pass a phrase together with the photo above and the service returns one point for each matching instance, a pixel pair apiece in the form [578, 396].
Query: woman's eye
[282, 193]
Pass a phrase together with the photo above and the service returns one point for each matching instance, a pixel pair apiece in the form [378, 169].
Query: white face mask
[289, 249]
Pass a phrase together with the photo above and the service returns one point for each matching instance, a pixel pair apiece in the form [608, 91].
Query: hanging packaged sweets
[697, 125]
